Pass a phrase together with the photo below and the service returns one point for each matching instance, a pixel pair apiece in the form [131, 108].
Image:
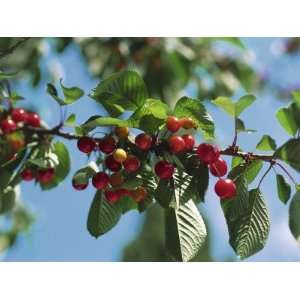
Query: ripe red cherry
[189, 142]
[143, 141]
[173, 124]
[19, 115]
[27, 175]
[218, 168]
[131, 164]
[176, 144]
[112, 196]
[164, 169]
[33, 120]
[123, 192]
[111, 164]
[107, 145]
[225, 188]
[208, 153]
[45, 175]
[79, 186]
[100, 180]
[86, 144]
[8, 126]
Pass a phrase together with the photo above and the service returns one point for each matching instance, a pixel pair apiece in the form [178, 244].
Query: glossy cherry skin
[189, 142]
[86, 144]
[225, 188]
[33, 119]
[122, 132]
[112, 196]
[208, 153]
[19, 115]
[143, 141]
[164, 169]
[8, 126]
[27, 175]
[173, 124]
[107, 145]
[79, 186]
[139, 194]
[218, 168]
[45, 175]
[100, 180]
[188, 123]
[132, 163]
[176, 144]
[120, 155]
[112, 165]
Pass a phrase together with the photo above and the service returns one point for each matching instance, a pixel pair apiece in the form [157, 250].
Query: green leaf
[240, 126]
[296, 97]
[266, 143]
[4, 75]
[283, 189]
[294, 216]
[290, 153]
[7, 200]
[286, 119]
[252, 170]
[83, 175]
[185, 231]
[104, 121]
[121, 91]
[193, 108]
[102, 216]
[243, 103]
[226, 104]
[71, 120]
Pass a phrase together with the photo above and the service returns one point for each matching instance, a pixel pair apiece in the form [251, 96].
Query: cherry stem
[263, 177]
[286, 172]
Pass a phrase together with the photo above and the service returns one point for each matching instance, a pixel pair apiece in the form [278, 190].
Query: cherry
[218, 168]
[16, 142]
[176, 144]
[100, 180]
[86, 144]
[188, 123]
[8, 126]
[111, 164]
[122, 132]
[27, 175]
[143, 141]
[132, 163]
[107, 145]
[19, 115]
[116, 179]
[45, 175]
[79, 186]
[139, 194]
[208, 153]
[112, 196]
[189, 142]
[225, 188]
[123, 192]
[33, 120]
[164, 169]
[173, 124]
[120, 155]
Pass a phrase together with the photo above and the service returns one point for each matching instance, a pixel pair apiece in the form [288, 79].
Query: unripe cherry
[33, 119]
[111, 196]
[116, 179]
[225, 188]
[218, 168]
[122, 132]
[208, 153]
[176, 144]
[19, 115]
[107, 145]
[79, 186]
[8, 126]
[27, 174]
[139, 194]
[143, 141]
[111, 164]
[100, 180]
[132, 163]
[120, 155]
[86, 144]
[45, 175]
[173, 124]
[189, 142]
[164, 169]
[188, 123]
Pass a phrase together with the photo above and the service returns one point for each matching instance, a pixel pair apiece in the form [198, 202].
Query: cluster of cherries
[16, 119]
[118, 158]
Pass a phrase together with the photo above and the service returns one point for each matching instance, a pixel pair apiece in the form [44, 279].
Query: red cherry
[225, 188]
[19, 115]
[176, 144]
[143, 141]
[86, 144]
[111, 196]
[107, 145]
[123, 192]
[218, 168]
[189, 142]
[208, 153]
[8, 126]
[79, 186]
[45, 175]
[33, 120]
[164, 169]
[100, 180]
[27, 174]
[111, 164]
[132, 163]
[173, 124]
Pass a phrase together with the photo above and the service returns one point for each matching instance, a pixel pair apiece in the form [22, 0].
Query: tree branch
[11, 49]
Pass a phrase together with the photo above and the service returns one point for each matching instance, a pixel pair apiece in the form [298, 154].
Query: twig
[261, 180]
[287, 173]
[11, 49]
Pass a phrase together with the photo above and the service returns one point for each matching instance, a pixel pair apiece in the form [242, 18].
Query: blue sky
[59, 233]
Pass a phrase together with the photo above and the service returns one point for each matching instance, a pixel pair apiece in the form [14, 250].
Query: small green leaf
[71, 94]
[71, 120]
[296, 97]
[283, 189]
[294, 216]
[252, 170]
[286, 119]
[104, 121]
[243, 103]
[226, 104]
[240, 126]
[266, 143]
